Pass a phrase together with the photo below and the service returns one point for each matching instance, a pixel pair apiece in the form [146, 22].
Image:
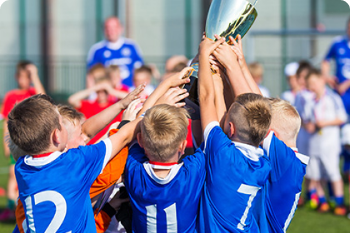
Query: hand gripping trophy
[225, 18]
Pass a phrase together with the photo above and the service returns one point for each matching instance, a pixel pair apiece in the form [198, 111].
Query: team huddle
[245, 176]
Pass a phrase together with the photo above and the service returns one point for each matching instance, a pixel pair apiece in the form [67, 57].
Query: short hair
[22, 66]
[285, 120]
[31, 123]
[112, 68]
[303, 65]
[68, 113]
[163, 129]
[143, 69]
[97, 71]
[179, 67]
[313, 71]
[71, 114]
[256, 69]
[251, 115]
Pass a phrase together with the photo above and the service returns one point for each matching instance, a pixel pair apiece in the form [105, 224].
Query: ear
[55, 137]
[139, 139]
[232, 130]
[182, 148]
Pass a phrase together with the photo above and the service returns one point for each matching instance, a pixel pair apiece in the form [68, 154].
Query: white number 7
[252, 191]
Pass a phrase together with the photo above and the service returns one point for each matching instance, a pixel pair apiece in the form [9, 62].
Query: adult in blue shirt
[116, 50]
[340, 52]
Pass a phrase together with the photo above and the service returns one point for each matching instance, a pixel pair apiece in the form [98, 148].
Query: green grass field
[305, 220]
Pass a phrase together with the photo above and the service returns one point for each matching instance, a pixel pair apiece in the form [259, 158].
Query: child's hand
[132, 96]
[310, 127]
[132, 110]
[207, 46]
[180, 78]
[32, 70]
[238, 49]
[225, 55]
[173, 96]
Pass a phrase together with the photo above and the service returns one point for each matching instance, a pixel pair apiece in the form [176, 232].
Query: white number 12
[252, 191]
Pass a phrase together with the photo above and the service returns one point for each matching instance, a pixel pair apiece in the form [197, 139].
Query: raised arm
[34, 77]
[75, 99]
[227, 57]
[173, 81]
[205, 82]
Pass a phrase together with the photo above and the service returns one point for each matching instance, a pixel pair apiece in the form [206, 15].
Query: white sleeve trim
[207, 131]
[267, 143]
[108, 154]
[303, 158]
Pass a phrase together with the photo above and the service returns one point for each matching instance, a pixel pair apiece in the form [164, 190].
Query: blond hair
[70, 114]
[251, 116]
[163, 129]
[285, 120]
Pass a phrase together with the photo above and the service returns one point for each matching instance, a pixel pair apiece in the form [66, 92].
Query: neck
[235, 138]
[162, 173]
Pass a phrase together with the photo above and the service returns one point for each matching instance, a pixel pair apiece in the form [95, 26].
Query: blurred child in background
[257, 71]
[143, 75]
[290, 71]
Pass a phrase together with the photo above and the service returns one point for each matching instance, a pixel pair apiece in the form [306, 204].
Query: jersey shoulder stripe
[93, 50]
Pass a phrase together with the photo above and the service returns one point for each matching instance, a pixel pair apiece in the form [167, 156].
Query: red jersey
[189, 135]
[90, 109]
[13, 97]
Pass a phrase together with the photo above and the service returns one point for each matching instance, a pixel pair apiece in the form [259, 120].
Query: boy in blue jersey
[235, 165]
[288, 167]
[164, 191]
[54, 185]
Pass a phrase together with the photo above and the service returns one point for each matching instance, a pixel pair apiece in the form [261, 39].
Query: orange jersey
[111, 173]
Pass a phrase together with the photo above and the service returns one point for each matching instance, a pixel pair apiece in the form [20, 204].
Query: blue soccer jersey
[283, 188]
[236, 172]
[54, 189]
[124, 53]
[164, 204]
[340, 52]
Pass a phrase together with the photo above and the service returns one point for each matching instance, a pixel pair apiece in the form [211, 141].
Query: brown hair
[143, 69]
[112, 68]
[285, 120]
[256, 69]
[315, 72]
[97, 71]
[70, 114]
[163, 129]
[251, 115]
[22, 66]
[303, 65]
[31, 123]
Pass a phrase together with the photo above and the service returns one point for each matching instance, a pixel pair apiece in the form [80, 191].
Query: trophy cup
[225, 18]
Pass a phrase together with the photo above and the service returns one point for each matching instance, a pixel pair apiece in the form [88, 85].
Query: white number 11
[252, 191]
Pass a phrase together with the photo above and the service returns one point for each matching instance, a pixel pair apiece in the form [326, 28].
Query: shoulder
[338, 39]
[130, 42]
[96, 47]
[303, 158]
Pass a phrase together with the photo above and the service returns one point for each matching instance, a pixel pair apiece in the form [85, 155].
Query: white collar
[249, 151]
[173, 172]
[39, 162]
[115, 45]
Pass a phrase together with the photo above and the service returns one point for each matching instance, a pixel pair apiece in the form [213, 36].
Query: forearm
[335, 122]
[118, 94]
[325, 68]
[39, 89]
[76, 98]
[219, 100]
[206, 92]
[237, 80]
[251, 83]
[96, 123]
[5, 135]
[124, 136]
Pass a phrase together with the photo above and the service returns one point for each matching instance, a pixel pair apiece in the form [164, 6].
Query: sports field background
[305, 220]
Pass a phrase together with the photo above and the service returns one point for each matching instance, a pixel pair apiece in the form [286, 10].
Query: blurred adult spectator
[26, 76]
[340, 53]
[116, 50]
[290, 72]
[257, 71]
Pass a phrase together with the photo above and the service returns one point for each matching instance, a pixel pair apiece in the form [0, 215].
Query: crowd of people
[125, 155]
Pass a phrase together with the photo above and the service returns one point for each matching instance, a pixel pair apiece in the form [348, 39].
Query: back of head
[285, 121]
[31, 123]
[163, 129]
[251, 115]
[70, 114]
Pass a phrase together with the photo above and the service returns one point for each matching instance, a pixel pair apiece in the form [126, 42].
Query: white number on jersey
[291, 214]
[61, 209]
[171, 220]
[252, 191]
